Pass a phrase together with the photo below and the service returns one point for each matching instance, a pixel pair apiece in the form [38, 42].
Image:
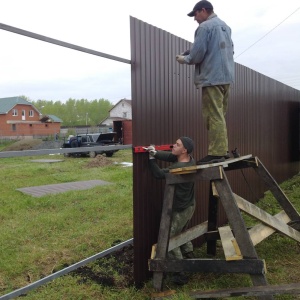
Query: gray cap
[187, 143]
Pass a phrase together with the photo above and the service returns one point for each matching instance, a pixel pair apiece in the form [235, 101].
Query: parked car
[90, 140]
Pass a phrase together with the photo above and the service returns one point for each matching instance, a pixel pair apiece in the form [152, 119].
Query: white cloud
[41, 70]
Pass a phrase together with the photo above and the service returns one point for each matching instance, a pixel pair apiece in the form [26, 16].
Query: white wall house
[121, 111]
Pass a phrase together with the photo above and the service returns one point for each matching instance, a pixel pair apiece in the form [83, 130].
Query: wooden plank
[227, 239]
[214, 190]
[153, 251]
[247, 163]
[226, 162]
[236, 247]
[213, 205]
[188, 169]
[235, 219]
[266, 218]
[243, 266]
[261, 231]
[291, 289]
[163, 295]
[192, 169]
[277, 192]
[164, 233]
[205, 174]
[200, 167]
[238, 226]
[188, 235]
[184, 237]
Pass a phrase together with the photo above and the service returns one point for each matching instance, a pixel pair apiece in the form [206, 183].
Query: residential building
[120, 111]
[120, 121]
[21, 119]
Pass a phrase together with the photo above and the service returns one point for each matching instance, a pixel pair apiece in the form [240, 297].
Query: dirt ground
[99, 161]
[115, 269]
[26, 144]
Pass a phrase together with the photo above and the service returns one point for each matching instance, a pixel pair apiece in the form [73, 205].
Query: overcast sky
[266, 36]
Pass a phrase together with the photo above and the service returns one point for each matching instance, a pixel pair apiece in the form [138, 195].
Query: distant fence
[63, 132]
[4, 154]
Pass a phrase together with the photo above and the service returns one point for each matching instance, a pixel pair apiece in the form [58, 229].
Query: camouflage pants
[180, 221]
[214, 108]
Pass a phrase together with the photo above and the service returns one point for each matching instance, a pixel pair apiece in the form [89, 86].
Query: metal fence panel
[263, 120]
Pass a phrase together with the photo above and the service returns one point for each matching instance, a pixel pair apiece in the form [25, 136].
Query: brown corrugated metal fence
[127, 132]
[263, 120]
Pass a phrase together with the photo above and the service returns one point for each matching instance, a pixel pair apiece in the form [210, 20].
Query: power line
[267, 33]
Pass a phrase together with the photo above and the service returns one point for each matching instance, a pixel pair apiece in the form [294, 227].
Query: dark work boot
[235, 153]
[227, 156]
[179, 278]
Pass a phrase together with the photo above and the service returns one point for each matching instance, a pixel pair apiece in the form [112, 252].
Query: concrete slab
[42, 190]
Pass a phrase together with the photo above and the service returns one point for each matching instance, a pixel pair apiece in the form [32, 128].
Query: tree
[76, 112]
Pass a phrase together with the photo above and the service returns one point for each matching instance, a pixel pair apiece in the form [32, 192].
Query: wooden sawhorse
[238, 243]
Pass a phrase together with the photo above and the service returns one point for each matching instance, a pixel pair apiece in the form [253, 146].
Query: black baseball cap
[201, 4]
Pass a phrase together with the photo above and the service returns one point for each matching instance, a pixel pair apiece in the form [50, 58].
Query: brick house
[20, 119]
[120, 121]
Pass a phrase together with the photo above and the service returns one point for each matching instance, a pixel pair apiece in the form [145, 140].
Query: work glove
[180, 59]
[151, 150]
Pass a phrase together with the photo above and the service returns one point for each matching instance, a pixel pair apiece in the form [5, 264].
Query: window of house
[31, 113]
[14, 112]
[23, 112]
[124, 114]
[13, 127]
[123, 104]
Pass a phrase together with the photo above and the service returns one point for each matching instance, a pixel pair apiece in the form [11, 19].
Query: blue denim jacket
[212, 53]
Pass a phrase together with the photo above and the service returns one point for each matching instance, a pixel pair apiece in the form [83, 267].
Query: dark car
[90, 140]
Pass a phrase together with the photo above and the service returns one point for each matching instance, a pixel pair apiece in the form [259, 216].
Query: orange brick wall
[26, 126]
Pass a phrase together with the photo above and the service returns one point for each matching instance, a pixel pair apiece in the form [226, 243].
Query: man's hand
[180, 59]
[151, 150]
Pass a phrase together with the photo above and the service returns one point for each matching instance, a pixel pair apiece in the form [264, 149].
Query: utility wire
[267, 33]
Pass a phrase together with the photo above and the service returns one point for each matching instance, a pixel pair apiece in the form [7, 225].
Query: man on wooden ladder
[212, 56]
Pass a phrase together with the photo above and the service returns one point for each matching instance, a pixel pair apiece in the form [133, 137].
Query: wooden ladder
[238, 243]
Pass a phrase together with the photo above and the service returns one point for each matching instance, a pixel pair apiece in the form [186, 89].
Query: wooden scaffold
[238, 242]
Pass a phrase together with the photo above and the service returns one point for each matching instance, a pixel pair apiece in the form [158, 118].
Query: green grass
[39, 236]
